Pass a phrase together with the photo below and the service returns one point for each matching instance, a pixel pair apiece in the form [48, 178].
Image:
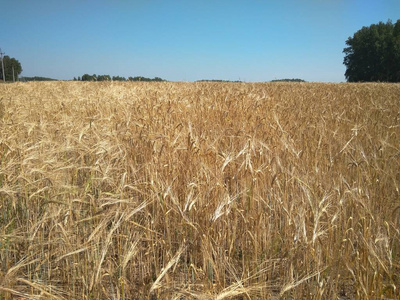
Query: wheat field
[199, 190]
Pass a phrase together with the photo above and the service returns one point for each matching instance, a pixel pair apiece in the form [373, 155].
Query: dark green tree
[373, 53]
[396, 51]
[141, 78]
[118, 78]
[87, 77]
[103, 78]
[10, 64]
[37, 78]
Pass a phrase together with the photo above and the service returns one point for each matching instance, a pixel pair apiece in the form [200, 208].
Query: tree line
[288, 80]
[218, 80]
[94, 77]
[36, 78]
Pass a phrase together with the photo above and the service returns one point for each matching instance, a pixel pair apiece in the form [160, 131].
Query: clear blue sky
[184, 40]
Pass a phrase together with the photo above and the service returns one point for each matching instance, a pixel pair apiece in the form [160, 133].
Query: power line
[2, 65]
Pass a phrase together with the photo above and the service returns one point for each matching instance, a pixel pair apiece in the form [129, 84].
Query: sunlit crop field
[199, 191]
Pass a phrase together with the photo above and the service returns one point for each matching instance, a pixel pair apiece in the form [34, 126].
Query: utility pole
[2, 65]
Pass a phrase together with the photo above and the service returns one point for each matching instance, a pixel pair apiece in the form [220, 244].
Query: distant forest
[94, 77]
[288, 80]
[216, 80]
[36, 78]
[275, 80]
